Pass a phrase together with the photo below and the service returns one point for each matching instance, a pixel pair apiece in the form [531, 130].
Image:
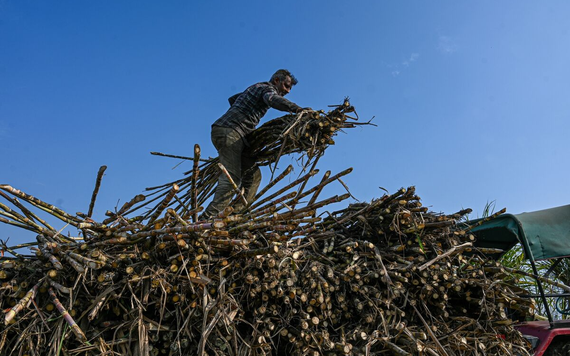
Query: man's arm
[278, 102]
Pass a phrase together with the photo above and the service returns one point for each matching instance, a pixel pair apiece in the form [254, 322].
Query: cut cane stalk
[194, 191]
[237, 191]
[163, 204]
[51, 209]
[23, 303]
[65, 314]
[284, 189]
[96, 190]
[271, 184]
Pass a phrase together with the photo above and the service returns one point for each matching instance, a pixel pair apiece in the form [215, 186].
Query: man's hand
[304, 109]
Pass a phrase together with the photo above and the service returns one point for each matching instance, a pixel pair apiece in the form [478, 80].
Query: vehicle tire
[560, 346]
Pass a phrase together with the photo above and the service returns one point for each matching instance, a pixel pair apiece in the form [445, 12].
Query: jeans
[241, 167]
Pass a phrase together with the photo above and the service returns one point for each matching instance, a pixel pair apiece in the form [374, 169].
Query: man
[230, 130]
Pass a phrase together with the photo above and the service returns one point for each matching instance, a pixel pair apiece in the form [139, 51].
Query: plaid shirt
[248, 108]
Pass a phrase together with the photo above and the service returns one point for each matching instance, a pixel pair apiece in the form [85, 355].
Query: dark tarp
[547, 232]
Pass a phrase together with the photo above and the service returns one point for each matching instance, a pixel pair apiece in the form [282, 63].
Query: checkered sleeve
[276, 101]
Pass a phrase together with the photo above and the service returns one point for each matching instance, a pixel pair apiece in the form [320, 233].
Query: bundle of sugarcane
[308, 133]
[386, 277]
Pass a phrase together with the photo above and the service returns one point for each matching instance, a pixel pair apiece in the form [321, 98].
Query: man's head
[284, 81]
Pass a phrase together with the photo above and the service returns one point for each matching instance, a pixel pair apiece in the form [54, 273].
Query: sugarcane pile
[274, 277]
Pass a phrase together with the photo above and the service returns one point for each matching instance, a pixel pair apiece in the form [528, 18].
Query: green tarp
[546, 231]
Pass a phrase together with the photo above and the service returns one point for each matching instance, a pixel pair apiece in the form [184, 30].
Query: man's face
[284, 87]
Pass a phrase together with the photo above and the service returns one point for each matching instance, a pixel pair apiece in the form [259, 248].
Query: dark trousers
[242, 169]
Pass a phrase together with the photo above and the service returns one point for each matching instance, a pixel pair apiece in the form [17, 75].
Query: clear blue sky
[471, 98]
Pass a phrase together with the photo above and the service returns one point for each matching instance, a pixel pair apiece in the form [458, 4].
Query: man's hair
[281, 74]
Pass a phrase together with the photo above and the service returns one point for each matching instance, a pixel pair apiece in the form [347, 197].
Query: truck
[543, 235]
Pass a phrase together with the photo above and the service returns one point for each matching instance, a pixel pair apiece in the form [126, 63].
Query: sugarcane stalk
[429, 330]
[177, 217]
[194, 192]
[284, 189]
[53, 260]
[16, 216]
[206, 192]
[395, 349]
[23, 303]
[271, 206]
[304, 183]
[86, 261]
[96, 190]
[50, 242]
[225, 213]
[369, 207]
[269, 250]
[51, 209]
[320, 204]
[223, 242]
[146, 202]
[293, 123]
[17, 224]
[98, 305]
[137, 199]
[271, 184]
[321, 185]
[182, 204]
[59, 287]
[451, 251]
[179, 229]
[286, 227]
[278, 156]
[67, 317]
[304, 232]
[19, 246]
[237, 191]
[163, 205]
[10, 250]
[188, 215]
[482, 221]
[179, 157]
[250, 225]
[76, 265]
[24, 210]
